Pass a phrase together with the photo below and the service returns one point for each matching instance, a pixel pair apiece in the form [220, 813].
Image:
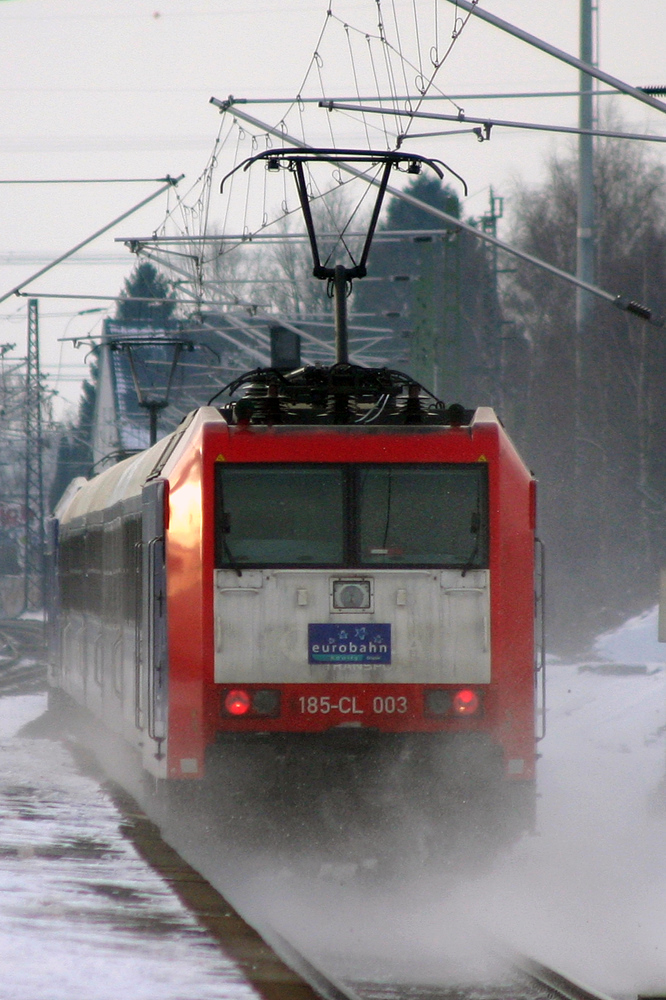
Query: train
[335, 558]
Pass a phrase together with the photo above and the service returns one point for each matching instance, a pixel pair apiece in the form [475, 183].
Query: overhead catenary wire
[439, 62]
[233, 319]
[386, 235]
[316, 69]
[391, 37]
[86, 180]
[621, 302]
[552, 50]
[166, 187]
[113, 298]
[487, 123]
[407, 98]
[395, 98]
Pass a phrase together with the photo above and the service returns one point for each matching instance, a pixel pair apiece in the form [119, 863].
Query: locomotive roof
[339, 394]
[124, 481]
[340, 398]
[118, 483]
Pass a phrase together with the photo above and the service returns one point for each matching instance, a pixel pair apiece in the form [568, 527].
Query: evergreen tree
[75, 445]
[439, 294]
[401, 214]
[146, 282]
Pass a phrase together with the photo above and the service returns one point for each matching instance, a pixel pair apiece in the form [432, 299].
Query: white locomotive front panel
[284, 626]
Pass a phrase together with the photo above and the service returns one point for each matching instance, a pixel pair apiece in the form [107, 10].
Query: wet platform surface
[82, 914]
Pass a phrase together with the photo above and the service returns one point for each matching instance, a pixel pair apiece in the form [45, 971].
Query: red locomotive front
[270, 572]
[329, 578]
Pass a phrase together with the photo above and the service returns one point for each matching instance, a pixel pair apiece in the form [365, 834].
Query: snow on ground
[81, 914]
[589, 893]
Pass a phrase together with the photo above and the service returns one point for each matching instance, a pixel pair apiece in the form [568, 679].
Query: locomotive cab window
[354, 516]
[423, 515]
[279, 515]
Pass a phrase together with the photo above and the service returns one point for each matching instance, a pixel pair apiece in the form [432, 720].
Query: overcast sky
[121, 89]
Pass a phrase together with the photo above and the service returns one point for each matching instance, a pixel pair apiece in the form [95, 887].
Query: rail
[557, 982]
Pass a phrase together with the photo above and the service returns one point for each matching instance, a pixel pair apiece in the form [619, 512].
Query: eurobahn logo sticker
[349, 643]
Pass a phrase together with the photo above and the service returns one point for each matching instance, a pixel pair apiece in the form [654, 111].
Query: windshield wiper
[226, 528]
[474, 527]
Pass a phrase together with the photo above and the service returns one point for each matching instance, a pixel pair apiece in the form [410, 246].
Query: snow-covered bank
[589, 893]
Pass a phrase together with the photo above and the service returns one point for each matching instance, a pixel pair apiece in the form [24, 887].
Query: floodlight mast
[339, 276]
[153, 404]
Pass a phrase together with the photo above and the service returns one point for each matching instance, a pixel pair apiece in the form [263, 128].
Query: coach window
[423, 515]
[279, 515]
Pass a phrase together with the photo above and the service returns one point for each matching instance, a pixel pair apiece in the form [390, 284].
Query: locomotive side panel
[189, 567]
[513, 611]
[109, 576]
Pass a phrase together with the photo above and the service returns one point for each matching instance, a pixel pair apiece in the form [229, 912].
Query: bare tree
[603, 484]
[279, 275]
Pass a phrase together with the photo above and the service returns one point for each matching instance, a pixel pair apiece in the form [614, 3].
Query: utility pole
[585, 232]
[33, 578]
[585, 245]
[586, 467]
[489, 225]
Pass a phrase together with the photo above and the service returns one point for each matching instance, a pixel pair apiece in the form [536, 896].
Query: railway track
[524, 979]
[528, 980]
[558, 984]
[278, 970]
[275, 967]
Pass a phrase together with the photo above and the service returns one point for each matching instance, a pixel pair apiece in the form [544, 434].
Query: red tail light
[237, 702]
[465, 702]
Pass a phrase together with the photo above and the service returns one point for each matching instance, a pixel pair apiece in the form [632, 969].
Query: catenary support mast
[585, 234]
[33, 572]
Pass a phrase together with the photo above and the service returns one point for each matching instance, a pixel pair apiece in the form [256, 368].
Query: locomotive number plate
[336, 643]
[353, 705]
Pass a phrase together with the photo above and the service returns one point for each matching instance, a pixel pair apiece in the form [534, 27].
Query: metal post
[340, 303]
[586, 470]
[33, 570]
[153, 410]
[585, 234]
[489, 224]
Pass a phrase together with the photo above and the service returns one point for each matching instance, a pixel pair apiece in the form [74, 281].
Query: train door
[152, 675]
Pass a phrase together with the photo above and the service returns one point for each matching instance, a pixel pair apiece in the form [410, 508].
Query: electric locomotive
[336, 558]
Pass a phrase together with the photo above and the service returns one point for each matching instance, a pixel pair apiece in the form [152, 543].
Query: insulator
[272, 408]
[639, 310]
[456, 414]
[413, 410]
